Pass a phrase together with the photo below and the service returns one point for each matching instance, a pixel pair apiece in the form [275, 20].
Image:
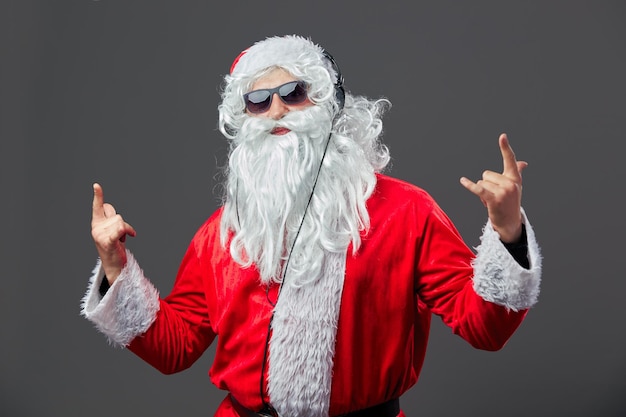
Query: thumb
[521, 165]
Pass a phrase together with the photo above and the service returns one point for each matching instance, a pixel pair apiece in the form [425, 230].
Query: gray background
[125, 93]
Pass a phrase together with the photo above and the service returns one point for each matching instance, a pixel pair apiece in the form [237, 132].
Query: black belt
[390, 408]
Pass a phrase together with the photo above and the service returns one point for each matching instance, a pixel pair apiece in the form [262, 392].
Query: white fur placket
[302, 346]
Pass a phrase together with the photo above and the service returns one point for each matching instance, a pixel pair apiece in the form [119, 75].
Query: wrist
[111, 274]
[509, 233]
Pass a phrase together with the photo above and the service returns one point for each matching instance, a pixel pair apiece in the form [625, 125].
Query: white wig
[297, 55]
[360, 119]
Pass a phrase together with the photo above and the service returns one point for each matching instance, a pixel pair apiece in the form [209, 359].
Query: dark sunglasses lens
[293, 93]
[258, 101]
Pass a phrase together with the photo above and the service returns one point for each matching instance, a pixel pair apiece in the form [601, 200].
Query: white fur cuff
[128, 308]
[499, 279]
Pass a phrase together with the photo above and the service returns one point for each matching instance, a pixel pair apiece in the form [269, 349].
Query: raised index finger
[508, 157]
[98, 202]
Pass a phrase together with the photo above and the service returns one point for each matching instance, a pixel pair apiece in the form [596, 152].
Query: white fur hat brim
[276, 51]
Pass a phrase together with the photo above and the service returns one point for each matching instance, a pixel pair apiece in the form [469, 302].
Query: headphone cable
[267, 406]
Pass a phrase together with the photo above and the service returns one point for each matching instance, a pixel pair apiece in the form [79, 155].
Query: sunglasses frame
[272, 91]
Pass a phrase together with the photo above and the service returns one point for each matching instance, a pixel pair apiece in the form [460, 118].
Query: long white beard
[270, 181]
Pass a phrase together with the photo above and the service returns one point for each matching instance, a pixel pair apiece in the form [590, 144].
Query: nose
[278, 108]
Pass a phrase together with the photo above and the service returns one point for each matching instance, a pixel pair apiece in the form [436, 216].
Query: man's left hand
[502, 193]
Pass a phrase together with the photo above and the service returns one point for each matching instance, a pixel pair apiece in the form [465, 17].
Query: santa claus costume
[346, 333]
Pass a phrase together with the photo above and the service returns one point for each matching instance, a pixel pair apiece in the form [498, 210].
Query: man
[319, 274]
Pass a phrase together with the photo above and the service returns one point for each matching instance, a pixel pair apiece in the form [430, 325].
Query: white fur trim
[499, 279]
[302, 347]
[128, 308]
[278, 51]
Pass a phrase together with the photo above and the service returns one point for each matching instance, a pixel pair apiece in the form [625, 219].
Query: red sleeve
[182, 330]
[444, 284]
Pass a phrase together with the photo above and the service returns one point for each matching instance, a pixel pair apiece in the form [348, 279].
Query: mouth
[280, 131]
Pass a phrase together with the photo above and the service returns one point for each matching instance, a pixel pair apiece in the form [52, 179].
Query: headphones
[340, 97]
[340, 93]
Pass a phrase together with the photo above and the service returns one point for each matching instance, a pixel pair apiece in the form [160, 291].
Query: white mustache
[300, 121]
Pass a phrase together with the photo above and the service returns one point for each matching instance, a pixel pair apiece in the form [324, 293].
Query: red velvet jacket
[412, 263]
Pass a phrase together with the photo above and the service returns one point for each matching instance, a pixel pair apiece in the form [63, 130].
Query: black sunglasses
[259, 101]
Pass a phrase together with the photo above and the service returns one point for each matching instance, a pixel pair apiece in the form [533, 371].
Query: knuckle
[509, 187]
[111, 240]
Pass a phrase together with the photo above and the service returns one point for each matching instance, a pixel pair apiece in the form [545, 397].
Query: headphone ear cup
[340, 93]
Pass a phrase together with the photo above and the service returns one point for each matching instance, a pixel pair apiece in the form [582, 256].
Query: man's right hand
[109, 230]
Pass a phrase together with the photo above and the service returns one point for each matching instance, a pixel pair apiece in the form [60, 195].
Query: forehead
[274, 78]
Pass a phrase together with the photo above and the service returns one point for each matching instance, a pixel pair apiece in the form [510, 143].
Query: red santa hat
[279, 51]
